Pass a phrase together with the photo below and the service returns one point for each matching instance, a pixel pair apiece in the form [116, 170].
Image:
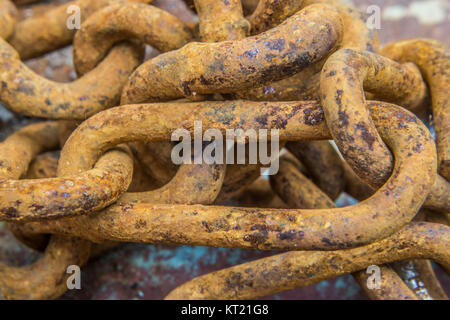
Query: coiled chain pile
[310, 68]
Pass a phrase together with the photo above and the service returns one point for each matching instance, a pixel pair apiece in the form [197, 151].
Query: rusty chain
[310, 69]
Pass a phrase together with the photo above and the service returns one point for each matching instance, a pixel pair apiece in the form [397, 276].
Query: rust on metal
[47, 32]
[37, 199]
[418, 240]
[372, 219]
[433, 60]
[342, 80]
[27, 93]
[269, 56]
[116, 23]
[299, 192]
[221, 20]
[310, 70]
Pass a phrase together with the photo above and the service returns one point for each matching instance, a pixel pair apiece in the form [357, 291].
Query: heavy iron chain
[310, 68]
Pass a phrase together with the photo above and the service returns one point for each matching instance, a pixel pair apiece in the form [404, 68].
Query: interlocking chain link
[310, 69]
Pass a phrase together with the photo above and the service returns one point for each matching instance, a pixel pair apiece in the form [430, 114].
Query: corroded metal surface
[27, 93]
[252, 228]
[433, 59]
[255, 279]
[140, 271]
[342, 78]
[48, 31]
[27, 200]
[221, 20]
[260, 59]
[151, 25]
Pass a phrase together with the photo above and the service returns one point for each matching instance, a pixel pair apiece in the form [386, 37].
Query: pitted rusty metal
[8, 16]
[65, 129]
[433, 60]
[144, 125]
[438, 198]
[47, 32]
[354, 186]
[179, 9]
[37, 199]
[156, 160]
[237, 178]
[391, 286]
[119, 22]
[228, 24]
[269, 56]
[43, 166]
[203, 190]
[164, 195]
[215, 115]
[221, 20]
[270, 13]
[302, 86]
[420, 277]
[208, 187]
[143, 197]
[24, 145]
[418, 240]
[155, 122]
[257, 194]
[208, 112]
[322, 163]
[356, 32]
[300, 192]
[27, 93]
[305, 84]
[343, 77]
[389, 209]
[295, 189]
[46, 278]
